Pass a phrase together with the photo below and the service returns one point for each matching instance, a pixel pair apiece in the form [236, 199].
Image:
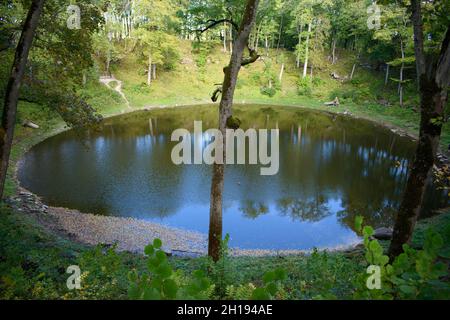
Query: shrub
[268, 91]
[304, 87]
[161, 282]
[414, 274]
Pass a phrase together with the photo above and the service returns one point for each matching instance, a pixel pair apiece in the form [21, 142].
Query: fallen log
[30, 124]
[334, 103]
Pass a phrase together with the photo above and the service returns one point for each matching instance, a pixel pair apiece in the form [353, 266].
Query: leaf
[368, 231]
[445, 253]
[409, 290]
[439, 270]
[204, 284]
[280, 274]
[358, 223]
[269, 277]
[157, 243]
[164, 270]
[153, 263]
[149, 250]
[151, 293]
[260, 294]
[134, 292]
[272, 288]
[199, 274]
[161, 256]
[170, 288]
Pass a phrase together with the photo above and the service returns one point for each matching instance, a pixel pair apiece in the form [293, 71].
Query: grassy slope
[190, 84]
[33, 262]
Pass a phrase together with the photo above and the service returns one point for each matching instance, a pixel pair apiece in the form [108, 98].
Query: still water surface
[332, 168]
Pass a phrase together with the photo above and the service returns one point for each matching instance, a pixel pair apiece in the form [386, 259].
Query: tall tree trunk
[402, 67]
[224, 37]
[225, 111]
[154, 71]
[231, 40]
[299, 45]
[149, 71]
[433, 97]
[305, 65]
[266, 44]
[333, 51]
[279, 33]
[386, 79]
[13, 87]
[256, 46]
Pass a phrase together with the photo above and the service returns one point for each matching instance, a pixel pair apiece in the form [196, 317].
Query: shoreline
[132, 234]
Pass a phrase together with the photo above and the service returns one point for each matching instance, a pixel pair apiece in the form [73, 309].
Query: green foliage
[351, 94]
[162, 283]
[304, 87]
[268, 91]
[233, 123]
[202, 50]
[414, 274]
[102, 275]
[272, 282]
[34, 263]
[219, 271]
[239, 292]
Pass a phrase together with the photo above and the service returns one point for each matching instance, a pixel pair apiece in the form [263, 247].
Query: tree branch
[214, 23]
[252, 58]
[216, 94]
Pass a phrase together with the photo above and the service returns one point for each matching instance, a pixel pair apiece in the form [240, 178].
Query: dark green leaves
[272, 280]
[157, 243]
[161, 282]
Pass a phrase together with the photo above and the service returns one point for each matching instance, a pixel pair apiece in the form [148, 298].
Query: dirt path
[118, 88]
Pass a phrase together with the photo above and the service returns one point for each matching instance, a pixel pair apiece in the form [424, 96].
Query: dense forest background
[311, 51]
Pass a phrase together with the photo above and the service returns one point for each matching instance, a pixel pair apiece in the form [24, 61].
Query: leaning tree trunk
[433, 94]
[432, 105]
[225, 111]
[280, 77]
[13, 87]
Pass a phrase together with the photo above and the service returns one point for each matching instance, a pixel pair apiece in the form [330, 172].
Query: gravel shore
[129, 234]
